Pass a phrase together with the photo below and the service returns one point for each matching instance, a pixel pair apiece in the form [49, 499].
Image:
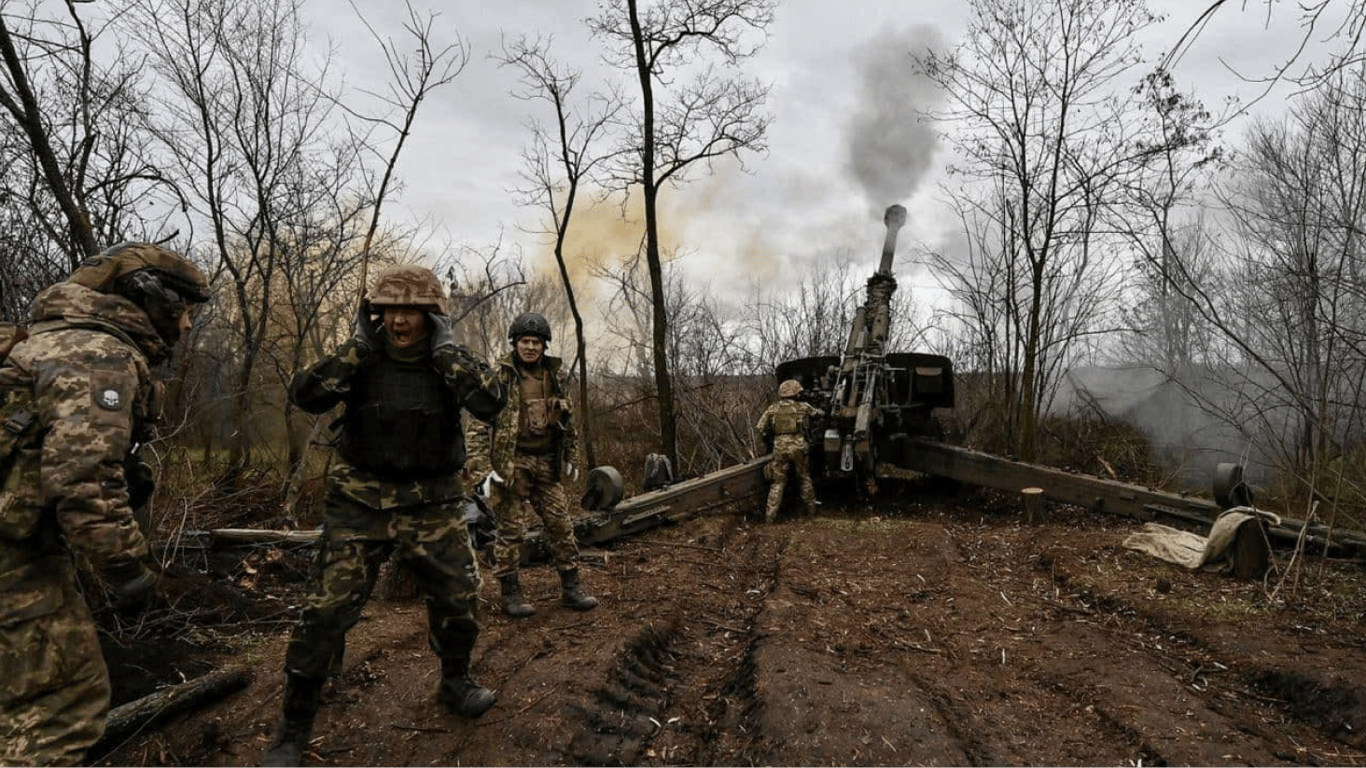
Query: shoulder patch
[109, 399]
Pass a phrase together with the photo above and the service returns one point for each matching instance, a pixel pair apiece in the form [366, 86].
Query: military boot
[302, 697]
[572, 592]
[459, 691]
[513, 603]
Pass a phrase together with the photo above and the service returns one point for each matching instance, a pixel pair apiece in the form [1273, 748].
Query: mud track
[914, 633]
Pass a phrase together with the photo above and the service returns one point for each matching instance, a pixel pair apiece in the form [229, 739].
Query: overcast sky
[844, 104]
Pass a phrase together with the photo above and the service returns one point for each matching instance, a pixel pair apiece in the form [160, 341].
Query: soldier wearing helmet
[525, 456]
[77, 398]
[786, 423]
[394, 486]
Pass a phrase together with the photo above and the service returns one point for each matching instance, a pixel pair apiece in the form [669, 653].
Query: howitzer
[874, 400]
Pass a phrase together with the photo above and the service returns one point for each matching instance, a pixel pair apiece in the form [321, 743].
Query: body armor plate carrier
[402, 422]
[789, 421]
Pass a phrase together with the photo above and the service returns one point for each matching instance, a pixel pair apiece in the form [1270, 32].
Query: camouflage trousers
[431, 542]
[54, 687]
[534, 488]
[789, 453]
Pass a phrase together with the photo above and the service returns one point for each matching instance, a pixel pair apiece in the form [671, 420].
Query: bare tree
[77, 169]
[708, 116]
[487, 291]
[558, 160]
[241, 125]
[1299, 206]
[1177, 149]
[1318, 23]
[707, 352]
[413, 77]
[1038, 120]
[810, 320]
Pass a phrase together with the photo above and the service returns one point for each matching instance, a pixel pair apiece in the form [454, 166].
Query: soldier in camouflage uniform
[78, 398]
[787, 422]
[394, 485]
[525, 456]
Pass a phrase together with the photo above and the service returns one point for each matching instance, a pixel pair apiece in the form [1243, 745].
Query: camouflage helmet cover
[408, 285]
[529, 324]
[102, 272]
[790, 388]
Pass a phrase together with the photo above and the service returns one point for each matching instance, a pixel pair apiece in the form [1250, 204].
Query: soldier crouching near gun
[786, 422]
[524, 457]
[394, 485]
[76, 399]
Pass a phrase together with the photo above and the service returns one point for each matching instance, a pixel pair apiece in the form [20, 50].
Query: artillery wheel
[605, 489]
[1229, 489]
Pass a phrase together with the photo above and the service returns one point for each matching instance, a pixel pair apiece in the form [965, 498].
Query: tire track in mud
[682, 691]
[1175, 692]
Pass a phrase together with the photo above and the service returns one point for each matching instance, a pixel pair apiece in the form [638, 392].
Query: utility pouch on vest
[786, 423]
[541, 414]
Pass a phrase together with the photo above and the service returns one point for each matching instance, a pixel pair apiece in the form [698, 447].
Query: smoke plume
[891, 143]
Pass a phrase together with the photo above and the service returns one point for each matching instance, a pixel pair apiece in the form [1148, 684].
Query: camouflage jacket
[492, 444]
[472, 385]
[84, 370]
[787, 420]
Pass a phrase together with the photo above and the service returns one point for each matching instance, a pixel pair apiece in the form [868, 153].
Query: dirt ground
[927, 628]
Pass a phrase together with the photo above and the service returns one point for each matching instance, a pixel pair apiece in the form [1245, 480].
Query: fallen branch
[677, 544]
[231, 536]
[914, 647]
[127, 720]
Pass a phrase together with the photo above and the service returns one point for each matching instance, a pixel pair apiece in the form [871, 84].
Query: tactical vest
[789, 419]
[402, 422]
[539, 416]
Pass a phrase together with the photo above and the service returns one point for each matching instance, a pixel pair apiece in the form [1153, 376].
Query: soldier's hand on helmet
[364, 331]
[571, 471]
[443, 334]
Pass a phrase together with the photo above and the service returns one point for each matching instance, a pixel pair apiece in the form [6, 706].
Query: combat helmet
[109, 271]
[529, 324]
[790, 388]
[408, 285]
[160, 281]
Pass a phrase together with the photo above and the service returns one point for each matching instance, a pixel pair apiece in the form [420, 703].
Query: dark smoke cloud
[891, 143]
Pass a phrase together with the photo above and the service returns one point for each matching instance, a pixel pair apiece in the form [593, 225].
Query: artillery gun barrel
[895, 219]
[881, 285]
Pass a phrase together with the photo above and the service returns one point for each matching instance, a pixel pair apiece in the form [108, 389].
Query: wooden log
[127, 720]
[236, 536]
[258, 536]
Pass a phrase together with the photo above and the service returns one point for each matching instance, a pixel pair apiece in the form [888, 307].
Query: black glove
[130, 585]
[443, 334]
[142, 482]
[364, 332]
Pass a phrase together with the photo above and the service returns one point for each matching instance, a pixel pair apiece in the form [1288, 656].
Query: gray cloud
[891, 146]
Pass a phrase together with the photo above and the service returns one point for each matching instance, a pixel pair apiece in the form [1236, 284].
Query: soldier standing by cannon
[786, 423]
